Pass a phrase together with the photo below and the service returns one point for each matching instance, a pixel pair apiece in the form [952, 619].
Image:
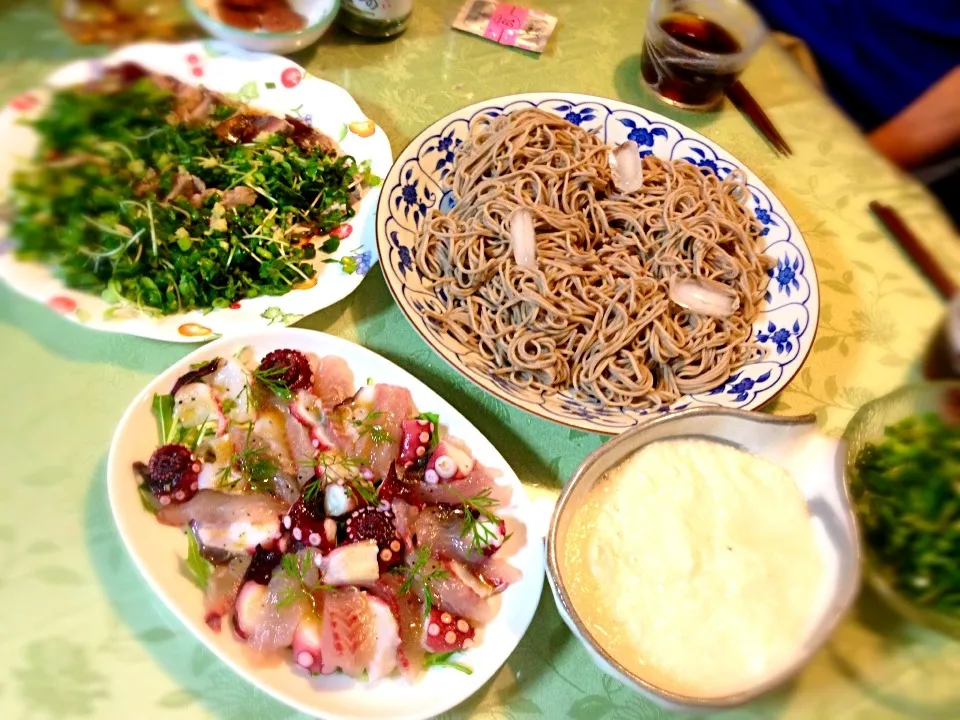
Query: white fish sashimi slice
[232, 382]
[454, 596]
[273, 628]
[386, 639]
[333, 381]
[270, 432]
[218, 508]
[195, 405]
[453, 492]
[348, 637]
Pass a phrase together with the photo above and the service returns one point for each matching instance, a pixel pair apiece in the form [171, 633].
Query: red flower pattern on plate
[24, 102]
[235, 306]
[291, 77]
[343, 232]
[62, 304]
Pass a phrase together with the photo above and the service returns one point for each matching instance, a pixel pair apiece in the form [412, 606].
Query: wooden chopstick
[746, 104]
[912, 246]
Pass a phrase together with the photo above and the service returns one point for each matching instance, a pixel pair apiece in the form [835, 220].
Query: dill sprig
[253, 464]
[339, 469]
[416, 576]
[480, 522]
[296, 568]
[272, 379]
[369, 425]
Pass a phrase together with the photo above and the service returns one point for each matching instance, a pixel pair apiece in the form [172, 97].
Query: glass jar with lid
[376, 18]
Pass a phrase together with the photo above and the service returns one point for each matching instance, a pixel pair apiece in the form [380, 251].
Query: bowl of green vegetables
[903, 465]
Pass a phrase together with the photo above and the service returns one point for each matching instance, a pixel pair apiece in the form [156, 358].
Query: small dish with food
[903, 462]
[703, 557]
[280, 26]
[332, 529]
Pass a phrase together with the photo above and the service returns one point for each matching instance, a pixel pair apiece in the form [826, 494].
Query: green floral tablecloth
[82, 636]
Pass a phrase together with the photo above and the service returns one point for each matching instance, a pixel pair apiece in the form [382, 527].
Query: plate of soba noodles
[592, 262]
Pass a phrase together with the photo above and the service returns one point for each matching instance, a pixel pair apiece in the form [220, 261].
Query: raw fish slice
[497, 572]
[301, 450]
[231, 383]
[217, 508]
[348, 638]
[440, 528]
[269, 615]
[409, 613]
[387, 634]
[332, 380]
[270, 435]
[222, 590]
[453, 595]
[452, 493]
[383, 406]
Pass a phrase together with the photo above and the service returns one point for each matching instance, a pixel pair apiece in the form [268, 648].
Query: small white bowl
[319, 14]
[815, 462]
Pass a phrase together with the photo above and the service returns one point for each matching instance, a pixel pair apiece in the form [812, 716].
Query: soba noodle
[593, 316]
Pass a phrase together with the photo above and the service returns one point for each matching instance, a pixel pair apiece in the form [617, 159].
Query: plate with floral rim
[785, 326]
[264, 82]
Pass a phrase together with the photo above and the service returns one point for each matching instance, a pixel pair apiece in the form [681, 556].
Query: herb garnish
[368, 425]
[480, 523]
[339, 469]
[163, 412]
[253, 465]
[415, 576]
[443, 660]
[198, 567]
[298, 567]
[272, 379]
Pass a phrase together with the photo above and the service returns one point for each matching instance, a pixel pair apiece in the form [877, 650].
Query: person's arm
[926, 128]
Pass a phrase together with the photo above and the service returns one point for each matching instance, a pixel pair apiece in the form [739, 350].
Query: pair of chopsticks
[746, 104]
[912, 246]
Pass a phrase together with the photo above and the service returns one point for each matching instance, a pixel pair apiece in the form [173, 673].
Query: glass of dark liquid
[693, 50]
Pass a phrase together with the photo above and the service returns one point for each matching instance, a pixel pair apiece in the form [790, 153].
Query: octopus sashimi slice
[408, 611]
[348, 638]
[332, 380]
[217, 508]
[497, 572]
[453, 492]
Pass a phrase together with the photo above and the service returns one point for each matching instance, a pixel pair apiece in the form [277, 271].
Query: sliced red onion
[704, 297]
[523, 239]
[626, 166]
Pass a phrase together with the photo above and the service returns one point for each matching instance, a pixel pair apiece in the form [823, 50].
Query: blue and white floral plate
[265, 82]
[788, 320]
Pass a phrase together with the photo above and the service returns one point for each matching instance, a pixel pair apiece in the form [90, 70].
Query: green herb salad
[169, 197]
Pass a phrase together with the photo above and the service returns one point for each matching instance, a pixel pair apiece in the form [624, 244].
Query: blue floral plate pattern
[786, 325]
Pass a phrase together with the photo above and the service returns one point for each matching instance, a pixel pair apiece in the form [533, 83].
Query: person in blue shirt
[893, 66]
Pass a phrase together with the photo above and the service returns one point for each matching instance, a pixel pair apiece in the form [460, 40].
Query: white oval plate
[266, 82]
[788, 319]
[156, 550]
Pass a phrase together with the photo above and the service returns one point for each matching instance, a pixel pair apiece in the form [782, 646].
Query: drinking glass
[693, 50]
